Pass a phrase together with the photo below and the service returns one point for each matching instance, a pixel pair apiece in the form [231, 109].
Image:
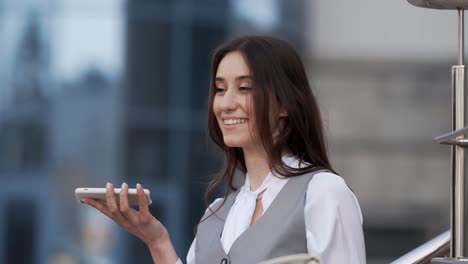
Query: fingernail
[108, 185]
[124, 185]
[82, 201]
[138, 185]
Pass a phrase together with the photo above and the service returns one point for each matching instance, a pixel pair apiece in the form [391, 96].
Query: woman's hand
[139, 223]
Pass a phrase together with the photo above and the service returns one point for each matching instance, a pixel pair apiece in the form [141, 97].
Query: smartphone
[100, 194]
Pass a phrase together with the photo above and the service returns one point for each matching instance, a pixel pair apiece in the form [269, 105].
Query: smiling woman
[232, 101]
[264, 117]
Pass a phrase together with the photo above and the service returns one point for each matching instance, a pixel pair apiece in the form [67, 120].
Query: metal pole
[461, 37]
[456, 138]
[457, 212]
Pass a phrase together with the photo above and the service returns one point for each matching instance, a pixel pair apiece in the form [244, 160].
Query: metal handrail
[436, 247]
[458, 237]
[445, 138]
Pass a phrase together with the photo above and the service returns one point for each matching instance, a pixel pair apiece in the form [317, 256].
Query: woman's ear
[280, 110]
[283, 113]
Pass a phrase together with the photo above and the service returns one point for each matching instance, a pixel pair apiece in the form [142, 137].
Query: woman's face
[232, 104]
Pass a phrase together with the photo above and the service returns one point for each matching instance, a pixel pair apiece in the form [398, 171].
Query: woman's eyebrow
[244, 77]
[241, 77]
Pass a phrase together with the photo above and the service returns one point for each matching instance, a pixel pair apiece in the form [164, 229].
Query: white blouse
[333, 219]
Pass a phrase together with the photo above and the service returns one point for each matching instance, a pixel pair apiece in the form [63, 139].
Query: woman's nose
[228, 101]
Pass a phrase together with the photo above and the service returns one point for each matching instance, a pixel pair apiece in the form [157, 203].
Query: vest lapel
[281, 201]
[223, 213]
[264, 217]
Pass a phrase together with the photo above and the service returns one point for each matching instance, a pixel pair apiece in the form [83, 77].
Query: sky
[88, 34]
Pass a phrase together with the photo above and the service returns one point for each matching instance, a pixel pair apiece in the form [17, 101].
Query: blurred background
[115, 90]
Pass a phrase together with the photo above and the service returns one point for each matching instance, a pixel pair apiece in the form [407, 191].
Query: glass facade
[107, 91]
[116, 91]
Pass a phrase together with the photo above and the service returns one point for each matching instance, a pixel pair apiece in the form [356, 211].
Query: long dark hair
[279, 80]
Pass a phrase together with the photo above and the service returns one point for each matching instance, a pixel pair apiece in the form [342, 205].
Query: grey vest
[279, 232]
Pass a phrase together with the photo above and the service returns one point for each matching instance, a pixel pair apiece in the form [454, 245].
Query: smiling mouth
[234, 121]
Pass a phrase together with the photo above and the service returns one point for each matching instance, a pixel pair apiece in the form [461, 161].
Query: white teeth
[234, 121]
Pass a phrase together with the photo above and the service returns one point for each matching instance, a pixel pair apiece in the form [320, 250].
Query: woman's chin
[234, 143]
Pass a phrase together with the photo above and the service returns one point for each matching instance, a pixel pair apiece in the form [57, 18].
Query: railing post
[458, 214]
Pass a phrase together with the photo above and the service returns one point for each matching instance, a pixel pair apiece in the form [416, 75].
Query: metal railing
[436, 247]
[452, 245]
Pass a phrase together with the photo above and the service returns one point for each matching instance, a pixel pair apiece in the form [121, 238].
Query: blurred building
[169, 48]
[110, 91]
[382, 71]
[24, 141]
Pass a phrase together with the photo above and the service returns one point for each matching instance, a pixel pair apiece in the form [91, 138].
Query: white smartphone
[100, 194]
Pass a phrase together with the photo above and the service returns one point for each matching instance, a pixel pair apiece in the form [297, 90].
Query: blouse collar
[272, 184]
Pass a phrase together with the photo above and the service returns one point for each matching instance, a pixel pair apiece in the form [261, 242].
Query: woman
[264, 117]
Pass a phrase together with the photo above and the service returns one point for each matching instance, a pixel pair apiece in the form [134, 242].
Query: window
[22, 146]
[147, 154]
[204, 40]
[20, 232]
[148, 62]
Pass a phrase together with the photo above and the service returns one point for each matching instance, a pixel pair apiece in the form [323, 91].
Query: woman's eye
[219, 90]
[245, 88]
